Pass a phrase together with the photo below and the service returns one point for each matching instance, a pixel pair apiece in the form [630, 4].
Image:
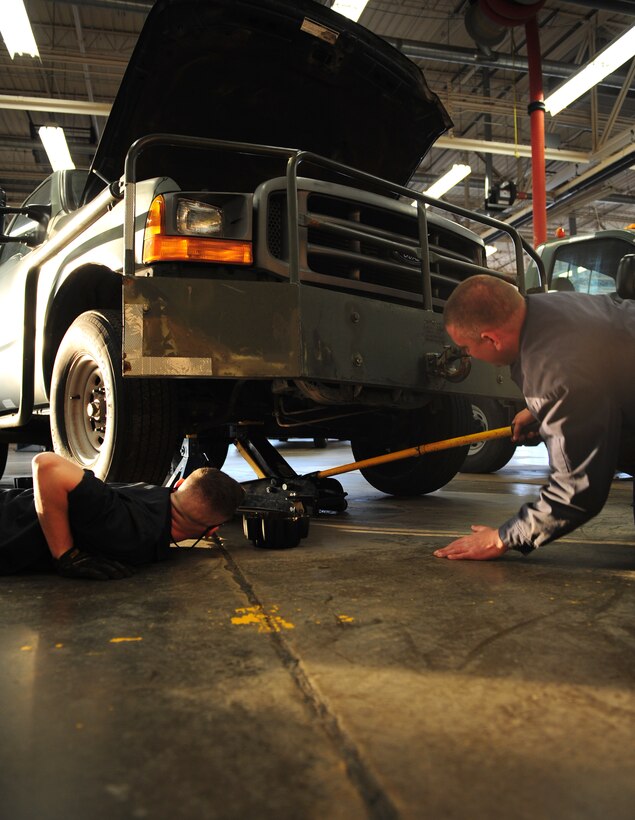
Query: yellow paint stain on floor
[345, 619]
[265, 621]
[123, 640]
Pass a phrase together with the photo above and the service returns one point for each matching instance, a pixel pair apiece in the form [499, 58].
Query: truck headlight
[198, 218]
[181, 229]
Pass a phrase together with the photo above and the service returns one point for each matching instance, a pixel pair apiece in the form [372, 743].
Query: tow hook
[453, 364]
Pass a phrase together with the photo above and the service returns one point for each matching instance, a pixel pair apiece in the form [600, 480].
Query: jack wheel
[276, 533]
[331, 496]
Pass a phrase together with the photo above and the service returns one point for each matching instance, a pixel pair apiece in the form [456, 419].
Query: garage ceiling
[85, 46]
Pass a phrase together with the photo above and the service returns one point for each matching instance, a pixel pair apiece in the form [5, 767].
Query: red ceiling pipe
[536, 110]
[512, 13]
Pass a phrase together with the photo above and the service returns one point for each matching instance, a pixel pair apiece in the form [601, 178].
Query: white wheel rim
[481, 423]
[85, 409]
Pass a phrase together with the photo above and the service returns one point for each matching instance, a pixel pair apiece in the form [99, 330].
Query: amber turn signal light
[161, 247]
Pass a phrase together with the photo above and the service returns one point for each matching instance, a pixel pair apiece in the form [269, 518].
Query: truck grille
[355, 246]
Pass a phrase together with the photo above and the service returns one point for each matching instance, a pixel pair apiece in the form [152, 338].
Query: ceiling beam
[589, 182]
[54, 105]
[138, 6]
[509, 149]
[616, 6]
[8, 143]
[496, 60]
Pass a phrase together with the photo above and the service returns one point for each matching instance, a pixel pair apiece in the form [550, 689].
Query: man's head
[203, 501]
[485, 315]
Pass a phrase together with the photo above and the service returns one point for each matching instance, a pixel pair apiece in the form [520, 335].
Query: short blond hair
[216, 494]
[481, 303]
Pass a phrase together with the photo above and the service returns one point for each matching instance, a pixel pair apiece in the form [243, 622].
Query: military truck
[204, 278]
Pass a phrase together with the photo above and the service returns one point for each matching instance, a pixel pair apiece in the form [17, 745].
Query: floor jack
[279, 504]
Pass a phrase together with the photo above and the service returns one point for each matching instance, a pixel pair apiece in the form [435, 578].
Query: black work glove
[77, 564]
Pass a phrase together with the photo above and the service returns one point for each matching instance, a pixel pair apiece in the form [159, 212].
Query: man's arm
[582, 433]
[582, 440]
[53, 479]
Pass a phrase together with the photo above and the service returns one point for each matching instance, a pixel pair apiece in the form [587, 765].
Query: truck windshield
[589, 266]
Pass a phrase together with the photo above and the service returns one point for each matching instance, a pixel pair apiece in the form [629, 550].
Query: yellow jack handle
[419, 450]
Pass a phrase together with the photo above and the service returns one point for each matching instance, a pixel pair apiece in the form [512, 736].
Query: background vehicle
[223, 284]
[587, 263]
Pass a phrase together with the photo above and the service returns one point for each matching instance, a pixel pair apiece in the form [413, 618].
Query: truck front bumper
[197, 328]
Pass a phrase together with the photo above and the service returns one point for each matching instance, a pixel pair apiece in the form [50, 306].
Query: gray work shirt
[576, 369]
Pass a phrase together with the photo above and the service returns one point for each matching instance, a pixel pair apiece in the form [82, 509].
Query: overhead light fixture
[350, 8]
[16, 29]
[54, 142]
[607, 61]
[445, 183]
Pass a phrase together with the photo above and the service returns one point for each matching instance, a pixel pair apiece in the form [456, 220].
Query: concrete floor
[356, 676]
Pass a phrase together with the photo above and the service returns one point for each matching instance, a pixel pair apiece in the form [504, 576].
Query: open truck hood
[275, 72]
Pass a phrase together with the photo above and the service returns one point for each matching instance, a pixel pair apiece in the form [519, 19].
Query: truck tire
[121, 429]
[488, 456]
[446, 417]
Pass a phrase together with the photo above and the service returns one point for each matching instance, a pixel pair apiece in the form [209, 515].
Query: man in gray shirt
[573, 357]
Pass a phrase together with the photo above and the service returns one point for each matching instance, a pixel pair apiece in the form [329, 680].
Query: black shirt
[127, 522]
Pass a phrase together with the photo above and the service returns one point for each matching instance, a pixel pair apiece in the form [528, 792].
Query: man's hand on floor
[77, 564]
[483, 545]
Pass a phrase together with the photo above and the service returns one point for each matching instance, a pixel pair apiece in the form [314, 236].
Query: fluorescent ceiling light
[449, 180]
[56, 148]
[490, 250]
[607, 61]
[350, 8]
[16, 29]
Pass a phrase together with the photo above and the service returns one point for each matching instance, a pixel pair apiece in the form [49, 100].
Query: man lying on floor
[77, 525]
